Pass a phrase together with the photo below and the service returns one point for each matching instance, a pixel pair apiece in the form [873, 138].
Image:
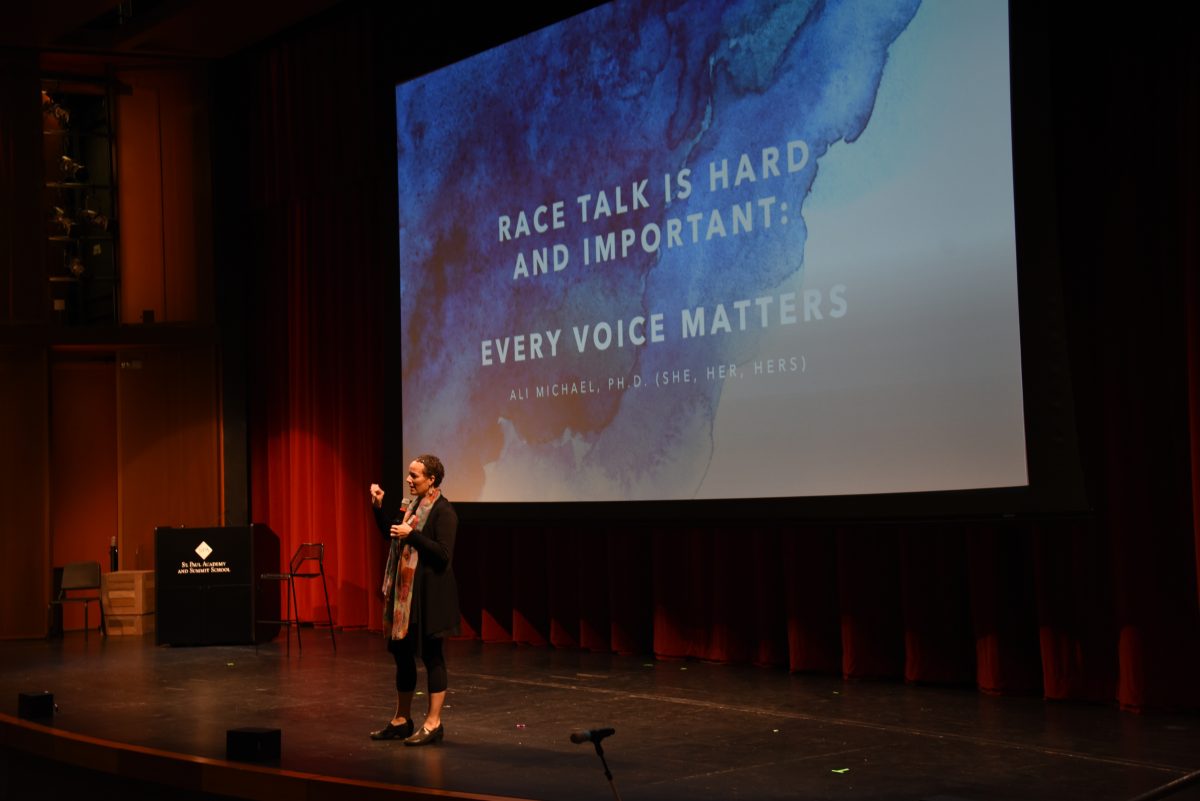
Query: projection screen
[708, 250]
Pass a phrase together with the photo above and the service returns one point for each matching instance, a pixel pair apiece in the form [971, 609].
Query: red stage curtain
[317, 280]
[1103, 609]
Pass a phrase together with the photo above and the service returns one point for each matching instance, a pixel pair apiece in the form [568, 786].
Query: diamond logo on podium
[203, 549]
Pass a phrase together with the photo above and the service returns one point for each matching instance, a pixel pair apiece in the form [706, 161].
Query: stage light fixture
[53, 109]
[94, 218]
[59, 218]
[72, 170]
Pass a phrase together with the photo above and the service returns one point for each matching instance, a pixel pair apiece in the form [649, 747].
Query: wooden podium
[207, 588]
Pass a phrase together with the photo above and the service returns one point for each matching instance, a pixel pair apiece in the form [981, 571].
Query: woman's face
[418, 482]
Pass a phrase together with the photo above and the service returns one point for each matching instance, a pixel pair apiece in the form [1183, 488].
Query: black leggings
[406, 664]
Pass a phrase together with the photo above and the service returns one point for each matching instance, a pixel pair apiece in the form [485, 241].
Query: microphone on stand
[594, 736]
[591, 735]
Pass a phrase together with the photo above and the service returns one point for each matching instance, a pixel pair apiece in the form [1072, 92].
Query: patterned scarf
[401, 569]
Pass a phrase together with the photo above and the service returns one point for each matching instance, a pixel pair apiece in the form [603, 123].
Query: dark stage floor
[684, 730]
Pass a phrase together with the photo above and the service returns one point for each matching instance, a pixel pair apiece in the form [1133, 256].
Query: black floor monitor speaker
[35, 705]
[252, 744]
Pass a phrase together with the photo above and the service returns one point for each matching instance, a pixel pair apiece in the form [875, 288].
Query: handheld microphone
[402, 512]
[591, 735]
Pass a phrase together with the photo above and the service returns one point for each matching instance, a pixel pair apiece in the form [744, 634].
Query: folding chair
[80, 577]
[301, 568]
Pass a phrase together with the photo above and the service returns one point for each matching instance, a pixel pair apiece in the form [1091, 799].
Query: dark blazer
[435, 591]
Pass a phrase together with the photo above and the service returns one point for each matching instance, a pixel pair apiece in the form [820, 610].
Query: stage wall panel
[169, 452]
[24, 554]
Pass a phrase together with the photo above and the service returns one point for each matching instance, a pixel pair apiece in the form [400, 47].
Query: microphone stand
[607, 773]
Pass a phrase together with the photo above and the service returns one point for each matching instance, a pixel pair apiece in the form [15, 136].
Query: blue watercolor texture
[627, 93]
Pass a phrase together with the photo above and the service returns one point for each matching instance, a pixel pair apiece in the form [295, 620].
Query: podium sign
[206, 584]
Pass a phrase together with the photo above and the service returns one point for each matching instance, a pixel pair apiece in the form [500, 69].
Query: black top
[435, 591]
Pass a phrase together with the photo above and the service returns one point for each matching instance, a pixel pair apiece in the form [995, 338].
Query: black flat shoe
[426, 737]
[393, 731]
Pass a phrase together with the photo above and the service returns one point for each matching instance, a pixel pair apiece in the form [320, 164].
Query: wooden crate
[127, 592]
[123, 625]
